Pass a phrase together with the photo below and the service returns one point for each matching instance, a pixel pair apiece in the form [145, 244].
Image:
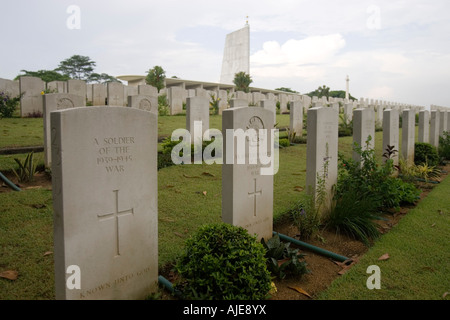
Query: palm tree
[242, 81]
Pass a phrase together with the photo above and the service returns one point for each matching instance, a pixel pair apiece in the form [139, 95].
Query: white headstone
[143, 102]
[129, 91]
[197, 109]
[147, 90]
[104, 184]
[57, 86]
[443, 122]
[175, 98]
[31, 100]
[54, 102]
[99, 94]
[283, 99]
[434, 127]
[77, 87]
[236, 103]
[296, 118]
[408, 135]
[322, 151]
[247, 195]
[348, 112]
[89, 96]
[10, 87]
[391, 132]
[424, 126]
[115, 93]
[223, 102]
[271, 106]
[363, 127]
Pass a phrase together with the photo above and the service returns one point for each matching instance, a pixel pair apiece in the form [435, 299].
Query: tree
[323, 91]
[102, 78]
[45, 75]
[242, 81]
[340, 94]
[156, 77]
[320, 92]
[77, 67]
[287, 90]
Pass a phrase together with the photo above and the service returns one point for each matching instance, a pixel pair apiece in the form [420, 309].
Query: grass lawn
[17, 132]
[188, 196]
[419, 251]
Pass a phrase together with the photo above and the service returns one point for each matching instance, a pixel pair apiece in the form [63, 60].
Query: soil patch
[41, 180]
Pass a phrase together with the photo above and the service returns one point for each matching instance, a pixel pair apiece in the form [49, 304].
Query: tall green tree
[45, 75]
[102, 78]
[77, 67]
[156, 77]
[323, 91]
[242, 81]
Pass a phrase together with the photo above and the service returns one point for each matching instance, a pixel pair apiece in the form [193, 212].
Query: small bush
[164, 160]
[282, 260]
[370, 178]
[214, 103]
[223, 262]
[425, 153]
[345, 126]
[284, 142]
[444, 145]
[7, 105]
[163, 105]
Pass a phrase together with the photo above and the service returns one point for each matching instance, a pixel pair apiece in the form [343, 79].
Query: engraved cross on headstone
[254, 194]
[115, 215]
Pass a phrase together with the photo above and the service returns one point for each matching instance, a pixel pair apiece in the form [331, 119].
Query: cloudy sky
[392, 50]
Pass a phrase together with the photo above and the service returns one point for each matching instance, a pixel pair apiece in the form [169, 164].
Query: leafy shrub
[444, 145]
[168, 145]
[370, 178]
[345, 126]
[284, 142]
[425, 153]
[283, 260]
[365, 188]
[163, 105]
[354, 215]
[410, 172]
[7, 105]
[214, 103]
[223, 262]
[164, 160]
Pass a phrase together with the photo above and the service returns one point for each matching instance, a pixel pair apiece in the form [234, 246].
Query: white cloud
[296, 58]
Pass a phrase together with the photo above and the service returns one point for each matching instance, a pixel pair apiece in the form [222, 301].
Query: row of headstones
[105, 195]
[113, 93]
[197, 110]
[177, 96]
[117, 94]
